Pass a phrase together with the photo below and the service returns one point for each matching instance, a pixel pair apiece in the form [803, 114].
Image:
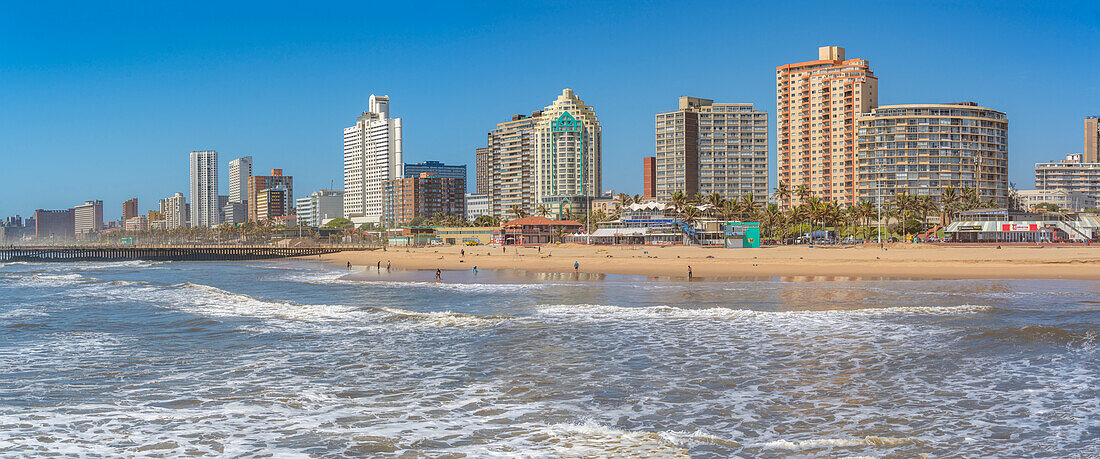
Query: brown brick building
[423, 196]
[258, 183]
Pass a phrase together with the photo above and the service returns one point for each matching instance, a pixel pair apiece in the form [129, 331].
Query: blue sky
[104, 100]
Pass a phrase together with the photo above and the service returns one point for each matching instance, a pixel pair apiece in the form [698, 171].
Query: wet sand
[901, 261]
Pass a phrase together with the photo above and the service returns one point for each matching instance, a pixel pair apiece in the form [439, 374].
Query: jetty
[165, 252]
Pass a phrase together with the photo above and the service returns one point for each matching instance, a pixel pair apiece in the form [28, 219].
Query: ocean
[293, 358]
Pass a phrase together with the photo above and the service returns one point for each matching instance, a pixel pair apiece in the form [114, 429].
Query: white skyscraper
[204, 189]
[240, 170]
[567, 150]
[372, 155]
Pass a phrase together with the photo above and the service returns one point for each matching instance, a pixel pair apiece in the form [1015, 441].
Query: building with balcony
[424, 196]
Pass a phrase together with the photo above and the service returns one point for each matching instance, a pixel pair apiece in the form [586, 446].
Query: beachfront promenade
[182, 252]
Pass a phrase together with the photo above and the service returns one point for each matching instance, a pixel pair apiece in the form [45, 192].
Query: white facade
[240, 170]
[88, 217]
[320, 207]
[175, 211]
[204, 189]
[1065, 199]
[476, 205]
[567, 143]
[372, 156]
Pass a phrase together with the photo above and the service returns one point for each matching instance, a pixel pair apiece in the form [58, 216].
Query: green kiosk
[741, 234]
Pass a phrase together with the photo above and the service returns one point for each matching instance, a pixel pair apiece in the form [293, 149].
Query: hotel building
[437, 169]
[204, 189]
[88, 218]
[259, 183]
[423, 196]
[921, 149]
[240, 170]
[551, 157]
[1065, 199]
[817, 104]
[54, 224]
[272, 203]
[372, 156]
[176, 211]
[1070, 174]
[705, 148]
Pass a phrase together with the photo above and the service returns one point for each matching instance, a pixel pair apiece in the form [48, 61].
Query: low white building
[1065, 199]
[476, 205]
[320, 206]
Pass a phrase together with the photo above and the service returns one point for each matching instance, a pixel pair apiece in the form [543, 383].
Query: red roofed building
[537, 230]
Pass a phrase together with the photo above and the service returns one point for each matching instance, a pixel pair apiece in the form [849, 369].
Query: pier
[165, 252]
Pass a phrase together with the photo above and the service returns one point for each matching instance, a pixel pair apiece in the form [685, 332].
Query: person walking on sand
[387, 265]
[438, 275]
[689, 271]
[475, 270]
[379, 267]
[576, 265]
[349, 265]
[462, 253]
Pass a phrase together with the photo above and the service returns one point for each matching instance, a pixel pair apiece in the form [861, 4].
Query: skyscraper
[320, 206]
[817, 104]
[649, 177]
[705, 148]
[240, 170]
[175, 211]
[204, 189]
[258, 183]
[568, 146]
[129, 209]
[372, 156]
[1092, 140]
[553, 156]
[437, 169]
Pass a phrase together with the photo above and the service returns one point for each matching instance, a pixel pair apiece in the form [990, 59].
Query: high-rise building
[258, 183]
[817, 104]
[320, 206]
[88, 218]
[54, 224]
[705, 148]
[1092, 140]
[437, 169]
[649, 177]
[423, 196]
[568, 147]
[204, 189]
[921, 149]
[481, 169]
[176, 211]
[372, 156]
[272, 203]
[551, 157]
[129, 209]
[240, 170]
[136, 223]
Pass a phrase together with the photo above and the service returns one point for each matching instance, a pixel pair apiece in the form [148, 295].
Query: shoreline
[898, 261]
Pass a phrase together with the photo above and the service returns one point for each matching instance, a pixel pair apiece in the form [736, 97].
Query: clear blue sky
[104, 100]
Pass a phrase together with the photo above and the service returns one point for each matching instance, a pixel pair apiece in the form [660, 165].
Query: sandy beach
[901, 261]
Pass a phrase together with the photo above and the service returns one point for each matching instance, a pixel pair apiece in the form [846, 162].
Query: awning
[610, 232]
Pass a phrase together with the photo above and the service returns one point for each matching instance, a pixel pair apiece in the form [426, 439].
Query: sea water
[298, 359]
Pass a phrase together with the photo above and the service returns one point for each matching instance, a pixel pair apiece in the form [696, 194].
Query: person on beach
[379, 267]
[689, 271]
[349, 265]
[387, 265]
[462, 253]
[438, 275]
[576, 265]
[475, 269]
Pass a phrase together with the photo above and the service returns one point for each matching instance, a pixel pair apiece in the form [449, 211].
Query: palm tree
[518, 211]
[730, 209]
[774, 218]
[748, 207]
[677, 202]
[783, 192]
[715, 200]
[542, 210]
[803, 192]
[949, 199]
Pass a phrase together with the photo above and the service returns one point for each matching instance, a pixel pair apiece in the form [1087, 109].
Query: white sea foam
[46, 280]
[447, 318]
[840, 442]
[461, 287]
[598, 311]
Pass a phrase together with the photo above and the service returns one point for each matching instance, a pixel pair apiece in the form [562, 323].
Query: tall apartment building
[240, 170]
[921, 149]
[476, 205]
[320, 206]
[550, 157]
[817, 104]
[54, 224]
[259, 183]
[437, 169]
[272, 203]
[649, 177]
[205, 211]
[87, 218]
[129, 209]
[1092, 140]
[1070, 174]
[481, 170]
[372, 156]
[705, 148]
[423, 196]
[176, 211]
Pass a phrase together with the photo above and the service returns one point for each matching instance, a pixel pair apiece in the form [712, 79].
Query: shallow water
[288, 358]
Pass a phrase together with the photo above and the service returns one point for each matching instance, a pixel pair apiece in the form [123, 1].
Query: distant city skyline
[150, 92]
